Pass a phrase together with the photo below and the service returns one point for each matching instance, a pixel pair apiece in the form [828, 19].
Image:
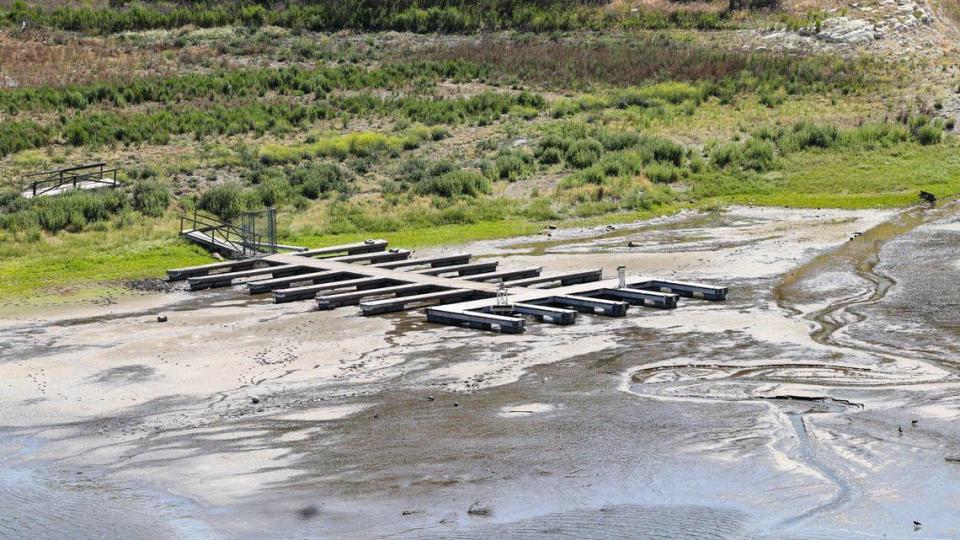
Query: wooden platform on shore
[454, 289]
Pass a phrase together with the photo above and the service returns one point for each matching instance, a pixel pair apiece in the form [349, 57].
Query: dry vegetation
[37, 59]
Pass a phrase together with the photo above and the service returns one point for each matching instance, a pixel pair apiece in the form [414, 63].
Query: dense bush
[319, 180]
[151, 197]
[805, 135]
[584, 152]
[925, 130]
[454, 184]
[224, 200]
[659, 173]
[511, 165]
[72, 210]
[22, 135]
[757, 155]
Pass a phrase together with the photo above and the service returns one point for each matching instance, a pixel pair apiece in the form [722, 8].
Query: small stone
[633, 244]
[914, 422]
[217, 256]
[254, 400]
[431, 398]
[161, 318]
[610, 227]
[552, 227]
[455, 404]
[479, 509]
[308, 512]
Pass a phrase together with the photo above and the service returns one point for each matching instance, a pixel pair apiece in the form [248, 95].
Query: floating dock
[454, 289]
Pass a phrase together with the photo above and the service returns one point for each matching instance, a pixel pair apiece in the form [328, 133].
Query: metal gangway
[255, 236]
[55, 182]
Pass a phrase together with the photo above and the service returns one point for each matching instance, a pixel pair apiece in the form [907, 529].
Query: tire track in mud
[864, 256]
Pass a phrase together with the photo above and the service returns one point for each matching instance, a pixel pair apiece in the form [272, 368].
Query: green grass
[431, 236]
[70, 267]
[862, 178]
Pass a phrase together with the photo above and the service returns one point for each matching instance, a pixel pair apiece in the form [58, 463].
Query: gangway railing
[41, 183]
[244, 240]
[218, 234]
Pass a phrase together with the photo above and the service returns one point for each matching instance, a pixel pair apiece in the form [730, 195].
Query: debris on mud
[161, 318]
[308, 512]
[150, 285]
[479, 509]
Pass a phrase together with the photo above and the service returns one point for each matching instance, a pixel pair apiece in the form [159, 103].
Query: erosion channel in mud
[884, 314]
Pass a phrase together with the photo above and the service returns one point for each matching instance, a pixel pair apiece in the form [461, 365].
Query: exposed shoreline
[170, 405]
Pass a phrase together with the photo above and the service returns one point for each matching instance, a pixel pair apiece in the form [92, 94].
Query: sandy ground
[774, 414]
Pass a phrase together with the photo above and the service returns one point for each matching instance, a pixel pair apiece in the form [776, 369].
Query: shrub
[807, 135]
[224, 200]
[723, 155]
[659, 173]
[550, 156]
[584, 152]
[151, 197]
[73, 210]
[756, 155]
[454, 184]
[929, 134]
[319, 180]
[618, 140]
[663, 150]
[273, 192]
[925, 130]
[511, 165]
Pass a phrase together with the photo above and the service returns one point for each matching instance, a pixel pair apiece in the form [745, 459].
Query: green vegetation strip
[448, 16]
[158, 126]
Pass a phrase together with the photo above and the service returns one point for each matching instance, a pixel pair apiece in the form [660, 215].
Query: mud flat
[774, 414]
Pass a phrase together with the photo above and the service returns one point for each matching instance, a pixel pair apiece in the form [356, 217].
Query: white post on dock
[622, 276]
